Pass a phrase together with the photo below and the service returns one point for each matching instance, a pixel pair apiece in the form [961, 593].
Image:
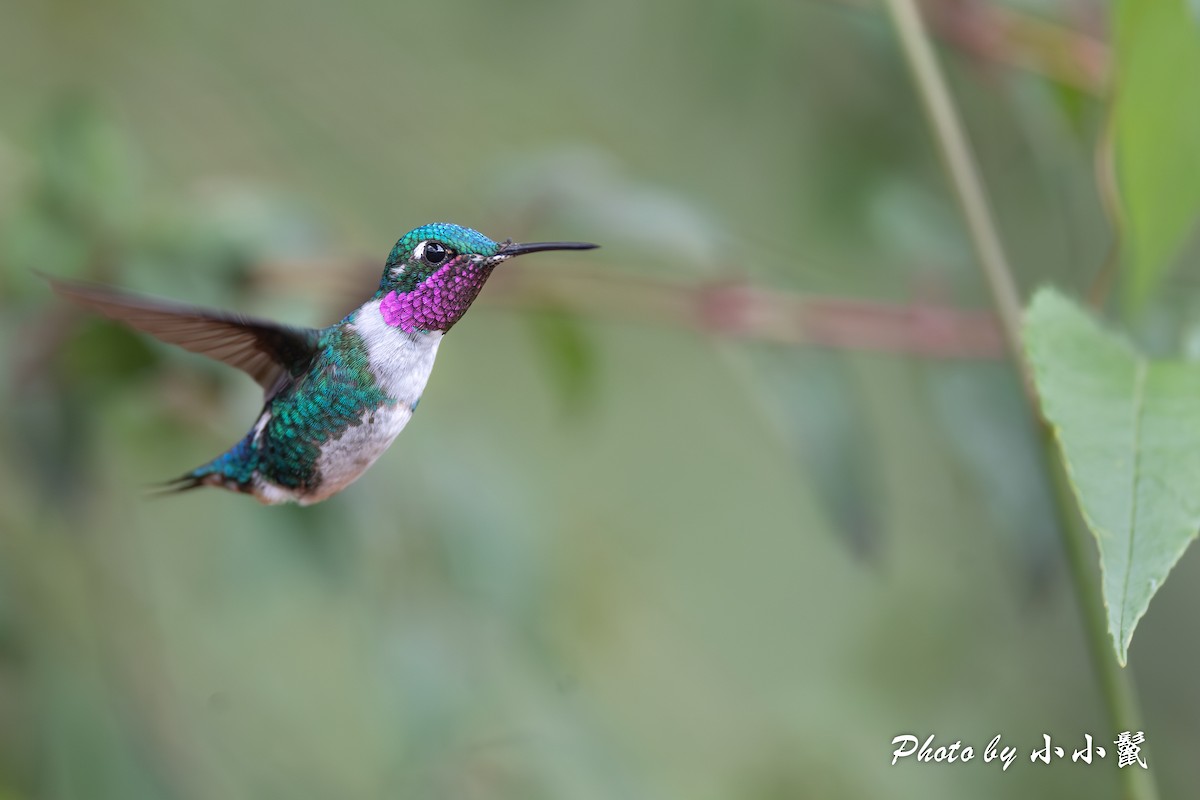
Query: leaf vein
[1139, 402]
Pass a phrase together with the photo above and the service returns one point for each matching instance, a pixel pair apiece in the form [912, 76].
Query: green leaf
[825, 423]
[991, 434]
[1129, 431]
[569, 357]
[1157, 125]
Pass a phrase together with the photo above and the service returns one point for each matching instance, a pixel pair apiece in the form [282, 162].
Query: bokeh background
[637, 543]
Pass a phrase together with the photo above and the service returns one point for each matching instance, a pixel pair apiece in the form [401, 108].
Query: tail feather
[233, 469]
[176, 485]
[193, 480]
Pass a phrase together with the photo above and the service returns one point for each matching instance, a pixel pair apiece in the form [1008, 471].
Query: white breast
[401, 363]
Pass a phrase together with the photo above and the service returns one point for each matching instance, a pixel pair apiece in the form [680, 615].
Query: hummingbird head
[434, 273]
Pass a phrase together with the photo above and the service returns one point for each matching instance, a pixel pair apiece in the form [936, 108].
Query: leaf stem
[1115, 685]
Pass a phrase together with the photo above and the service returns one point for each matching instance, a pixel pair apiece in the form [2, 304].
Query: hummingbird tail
[232, 470]
[175, 485]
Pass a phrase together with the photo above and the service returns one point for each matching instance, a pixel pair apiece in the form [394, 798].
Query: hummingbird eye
[435, 253]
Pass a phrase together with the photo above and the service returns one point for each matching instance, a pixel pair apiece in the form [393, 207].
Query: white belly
[343, 460]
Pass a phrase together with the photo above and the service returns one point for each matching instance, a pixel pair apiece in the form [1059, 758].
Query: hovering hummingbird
[335, 398]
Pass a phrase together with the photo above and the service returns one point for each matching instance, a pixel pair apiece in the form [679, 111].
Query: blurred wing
[267, 351]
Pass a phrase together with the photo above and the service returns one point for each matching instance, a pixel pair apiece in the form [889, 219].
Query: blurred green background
[611, 557]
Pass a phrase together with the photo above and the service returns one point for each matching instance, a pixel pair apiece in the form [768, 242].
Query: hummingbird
[334, 398]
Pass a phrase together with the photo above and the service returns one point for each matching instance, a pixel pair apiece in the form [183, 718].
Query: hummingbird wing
[267, 351]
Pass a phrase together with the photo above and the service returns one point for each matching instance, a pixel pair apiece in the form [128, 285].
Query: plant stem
[960, 165]
[725, 307]
[1115, 684]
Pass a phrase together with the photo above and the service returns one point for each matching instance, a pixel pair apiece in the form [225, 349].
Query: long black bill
[517, 249]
